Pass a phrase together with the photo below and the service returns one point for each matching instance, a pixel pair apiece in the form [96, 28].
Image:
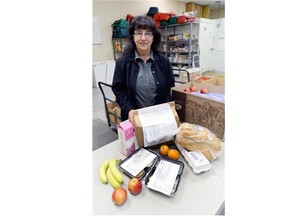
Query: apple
[119, 196]
[193, 88]
[187, 90]
[135, 186]
[204, 91]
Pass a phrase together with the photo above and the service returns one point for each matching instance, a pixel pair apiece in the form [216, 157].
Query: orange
[173, 154]
[163, 150]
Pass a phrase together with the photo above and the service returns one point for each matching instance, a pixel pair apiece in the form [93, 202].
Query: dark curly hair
[143, 22]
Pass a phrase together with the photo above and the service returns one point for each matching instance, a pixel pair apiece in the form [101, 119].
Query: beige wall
[107, 11]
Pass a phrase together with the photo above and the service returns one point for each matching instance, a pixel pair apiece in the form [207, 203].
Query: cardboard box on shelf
[206, 11]
[199, 109]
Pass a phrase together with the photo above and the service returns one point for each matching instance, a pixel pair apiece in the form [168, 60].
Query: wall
[108, 11]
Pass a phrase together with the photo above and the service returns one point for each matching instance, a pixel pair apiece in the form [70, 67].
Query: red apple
[187, 90]
[119, 196]
[135, 186]
[204, 91]
[193, 88]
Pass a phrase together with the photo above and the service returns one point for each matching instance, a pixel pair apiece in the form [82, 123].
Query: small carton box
[197, 161]
[114, 112]
[126, 137]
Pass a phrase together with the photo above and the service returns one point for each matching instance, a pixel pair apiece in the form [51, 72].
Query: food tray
[139, 162]
[167, 173]
[144, 162]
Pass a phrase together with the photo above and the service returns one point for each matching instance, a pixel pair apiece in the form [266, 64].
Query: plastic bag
[200, 139]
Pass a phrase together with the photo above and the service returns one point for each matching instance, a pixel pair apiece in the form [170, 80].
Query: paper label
[164, 177]
[158, 123]
[137, 162]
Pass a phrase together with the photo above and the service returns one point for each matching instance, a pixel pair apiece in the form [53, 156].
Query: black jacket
[125, 77]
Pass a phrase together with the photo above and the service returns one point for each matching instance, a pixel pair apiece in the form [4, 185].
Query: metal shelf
[191, 42]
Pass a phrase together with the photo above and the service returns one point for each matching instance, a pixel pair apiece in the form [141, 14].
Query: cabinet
[103, 71]
[180, 43]
[119, 45]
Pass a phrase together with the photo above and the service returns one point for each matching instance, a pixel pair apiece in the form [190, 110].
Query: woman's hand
[131, 116]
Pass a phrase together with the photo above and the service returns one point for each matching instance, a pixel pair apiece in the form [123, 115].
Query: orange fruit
[163, 150]
[173, 154]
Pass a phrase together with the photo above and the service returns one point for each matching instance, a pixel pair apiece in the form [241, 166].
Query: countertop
[196, 194]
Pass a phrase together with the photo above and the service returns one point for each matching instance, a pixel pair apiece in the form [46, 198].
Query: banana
[102, 171]
[112, 181]
[115, 171]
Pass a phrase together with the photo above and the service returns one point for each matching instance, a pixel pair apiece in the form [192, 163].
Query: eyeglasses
[147, 34]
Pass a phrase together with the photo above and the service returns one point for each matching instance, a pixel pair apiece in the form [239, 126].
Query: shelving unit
[119, 45]
[180, 43]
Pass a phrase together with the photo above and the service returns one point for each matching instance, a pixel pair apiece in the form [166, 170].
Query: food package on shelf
[197, 138]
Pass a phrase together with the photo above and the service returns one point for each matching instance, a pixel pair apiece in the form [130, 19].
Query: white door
[219, 58]
[207, 43]
[99, 69]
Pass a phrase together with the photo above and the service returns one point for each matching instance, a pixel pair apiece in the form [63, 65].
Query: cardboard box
[197, 109]
[114, 113]
[202, 79]
[193, 73]
[206, 11]
[217, 81]
[139, 130]
[214, 74]
[126, 137]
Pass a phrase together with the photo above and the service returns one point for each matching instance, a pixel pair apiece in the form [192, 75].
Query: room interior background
[109, 11]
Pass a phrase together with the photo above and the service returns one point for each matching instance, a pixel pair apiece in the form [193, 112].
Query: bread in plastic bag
[197, 138]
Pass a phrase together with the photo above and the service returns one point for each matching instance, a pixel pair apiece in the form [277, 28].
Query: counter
[196, 194]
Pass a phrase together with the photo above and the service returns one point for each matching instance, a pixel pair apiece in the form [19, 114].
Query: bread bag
[200, 139]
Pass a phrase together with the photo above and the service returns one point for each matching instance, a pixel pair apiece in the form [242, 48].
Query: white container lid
[196, 160]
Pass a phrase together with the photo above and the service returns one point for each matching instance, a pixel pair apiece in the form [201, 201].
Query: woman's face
[143, 39]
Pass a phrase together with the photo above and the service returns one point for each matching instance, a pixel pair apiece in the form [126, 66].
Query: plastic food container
[138, 163]
[197, 161]
[164, 176]
[158, 173]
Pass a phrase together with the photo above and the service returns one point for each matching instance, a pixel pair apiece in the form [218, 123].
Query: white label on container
[158, 123]
[137, 162]
[164, 177]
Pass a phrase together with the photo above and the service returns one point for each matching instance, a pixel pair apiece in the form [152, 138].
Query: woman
[143, 76]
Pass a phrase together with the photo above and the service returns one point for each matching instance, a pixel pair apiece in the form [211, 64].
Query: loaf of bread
[197, 138]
